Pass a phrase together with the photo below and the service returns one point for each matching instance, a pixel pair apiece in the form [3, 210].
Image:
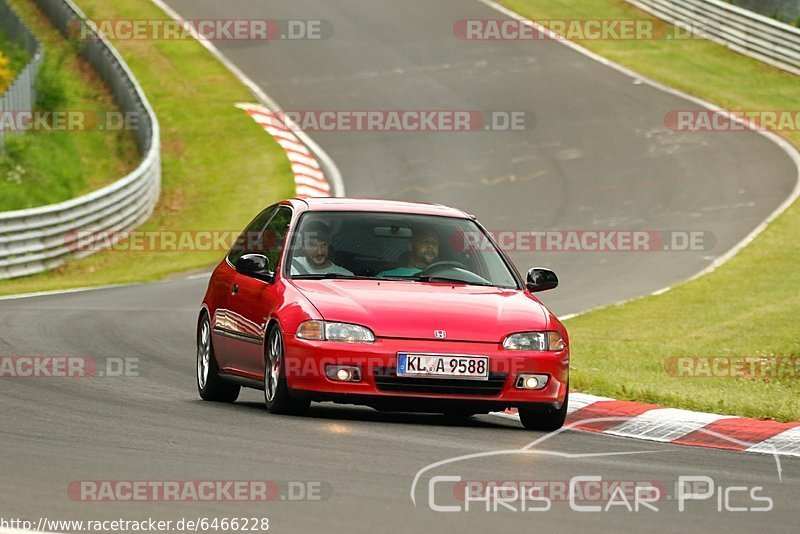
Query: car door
[223, 281]
[252, 301]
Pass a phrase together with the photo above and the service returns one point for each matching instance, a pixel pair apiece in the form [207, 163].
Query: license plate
[442, 365]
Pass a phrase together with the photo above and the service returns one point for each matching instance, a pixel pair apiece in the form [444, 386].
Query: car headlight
[328, 331]
[541, 341]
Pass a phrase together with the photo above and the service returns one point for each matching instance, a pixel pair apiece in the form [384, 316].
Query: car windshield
[395, 246]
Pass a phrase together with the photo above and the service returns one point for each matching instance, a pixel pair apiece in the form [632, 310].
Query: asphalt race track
[599, 156]
[154, 427]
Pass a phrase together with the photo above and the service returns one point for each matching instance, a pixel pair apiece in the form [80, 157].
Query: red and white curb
[310, 180]
[683, 427]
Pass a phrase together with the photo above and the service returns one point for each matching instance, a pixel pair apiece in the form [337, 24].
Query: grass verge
[45, 167]
[219, 167]
[748, 307]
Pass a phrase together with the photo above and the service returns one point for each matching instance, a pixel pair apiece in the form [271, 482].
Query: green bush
[12, 59]
[51, 93]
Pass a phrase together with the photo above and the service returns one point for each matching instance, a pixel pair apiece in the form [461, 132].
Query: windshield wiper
[326, 276]
[447, 279]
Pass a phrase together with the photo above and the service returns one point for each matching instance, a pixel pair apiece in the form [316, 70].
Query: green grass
[39, 168]
[748, 307]
[219, 167]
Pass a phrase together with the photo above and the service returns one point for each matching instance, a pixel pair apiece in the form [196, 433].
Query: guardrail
[38, 239]
[741, 30]
[21, 94]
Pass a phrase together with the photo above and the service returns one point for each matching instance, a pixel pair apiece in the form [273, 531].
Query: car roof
[371, 204]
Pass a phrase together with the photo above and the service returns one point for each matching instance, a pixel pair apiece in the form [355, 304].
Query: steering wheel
[441, 265]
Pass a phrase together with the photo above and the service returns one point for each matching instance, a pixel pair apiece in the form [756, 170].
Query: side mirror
[541, 280]
[255, 265]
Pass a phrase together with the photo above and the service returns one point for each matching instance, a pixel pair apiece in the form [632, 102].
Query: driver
[316, 240]
[423, 248]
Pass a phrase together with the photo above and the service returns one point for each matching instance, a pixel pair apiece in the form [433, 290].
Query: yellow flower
[6, 75]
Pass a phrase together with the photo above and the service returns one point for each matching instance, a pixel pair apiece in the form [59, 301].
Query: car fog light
[343, 373]
[531, 381]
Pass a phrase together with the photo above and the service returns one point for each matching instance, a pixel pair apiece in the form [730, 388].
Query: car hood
[400, 309]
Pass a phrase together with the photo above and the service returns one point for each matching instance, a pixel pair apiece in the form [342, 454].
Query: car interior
[368, 245]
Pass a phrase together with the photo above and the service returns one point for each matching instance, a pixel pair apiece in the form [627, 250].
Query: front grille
[386, 379]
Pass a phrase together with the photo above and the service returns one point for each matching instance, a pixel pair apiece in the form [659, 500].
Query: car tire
[276, 392]
[209, 384]
[544, 418]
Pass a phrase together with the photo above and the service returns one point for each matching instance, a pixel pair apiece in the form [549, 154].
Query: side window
[246, 242]
[275, 236]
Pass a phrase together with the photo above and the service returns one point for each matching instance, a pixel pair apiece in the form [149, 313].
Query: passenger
[316, 240]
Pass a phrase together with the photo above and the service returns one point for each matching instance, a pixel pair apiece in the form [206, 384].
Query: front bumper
[305, 363]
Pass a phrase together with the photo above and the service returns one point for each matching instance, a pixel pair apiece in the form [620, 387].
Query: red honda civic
[393, 305]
